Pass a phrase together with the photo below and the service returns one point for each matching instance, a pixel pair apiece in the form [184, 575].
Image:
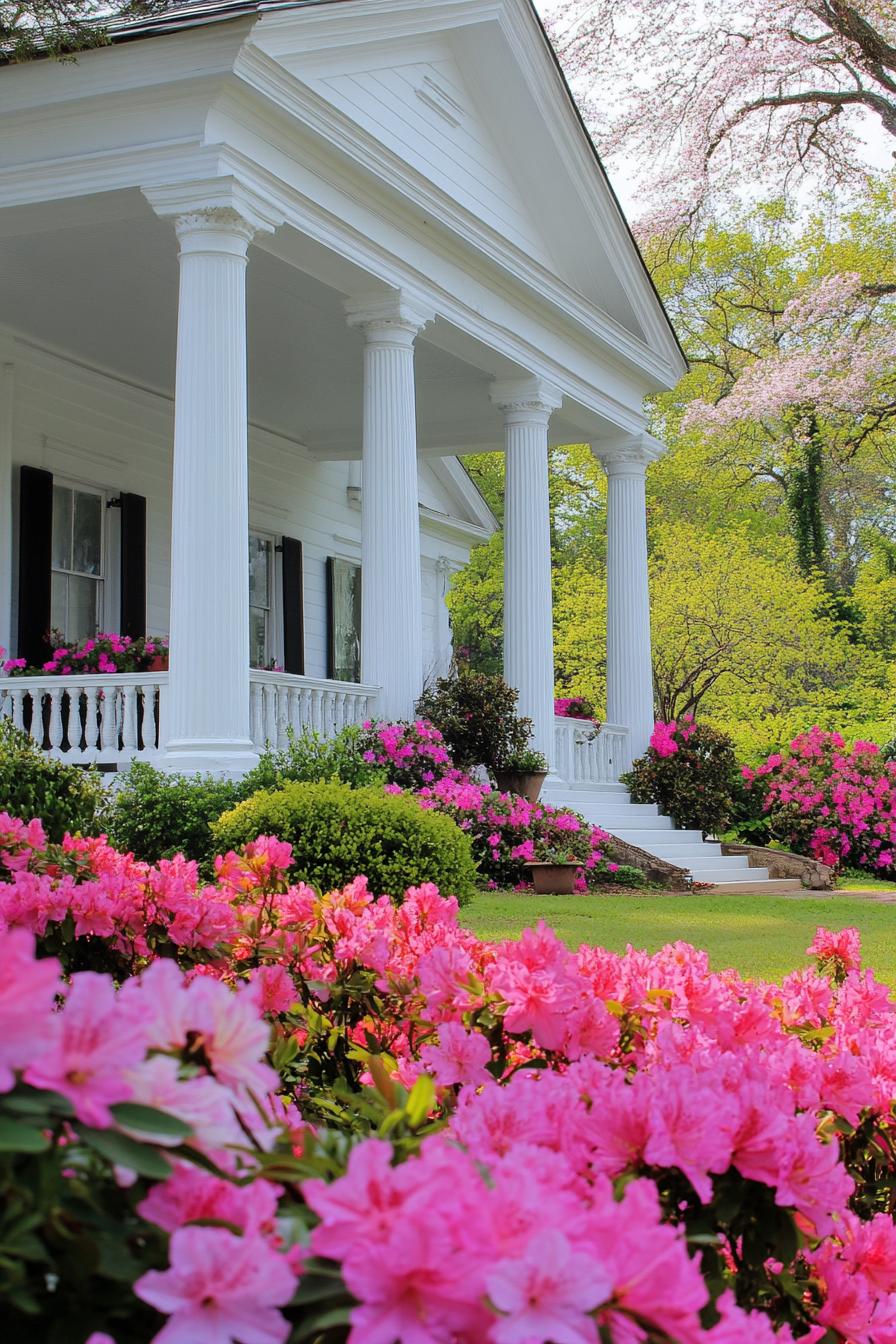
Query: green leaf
[19, 1138]
[327, 1320]
[127, 1152]
[149, 1120]
[34, 1101]
[421, 1101]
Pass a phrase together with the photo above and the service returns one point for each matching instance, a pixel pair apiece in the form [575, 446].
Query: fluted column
[528, 603]
[206, 710]
[391, 597]
[629, 662]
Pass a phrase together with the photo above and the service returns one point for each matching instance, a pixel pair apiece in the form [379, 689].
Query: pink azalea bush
[834, 802]
[414, 755]
[506, 831]
[690, 770]
[344, 1119]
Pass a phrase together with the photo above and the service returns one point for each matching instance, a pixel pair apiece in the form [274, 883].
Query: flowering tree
[771, 90]
[792, 383]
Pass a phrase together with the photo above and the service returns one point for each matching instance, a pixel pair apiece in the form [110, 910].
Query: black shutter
[293, 607]
[133, 566]
[35, 563]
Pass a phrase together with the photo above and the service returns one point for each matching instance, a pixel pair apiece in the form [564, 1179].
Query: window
[76, 587]
[344, 619]
[261, 585]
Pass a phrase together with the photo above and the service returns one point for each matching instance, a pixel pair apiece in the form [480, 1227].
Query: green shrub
[33, 784]
[313, 759]
[338, 833]
[476, 715]
[690, 770]
[154, 815]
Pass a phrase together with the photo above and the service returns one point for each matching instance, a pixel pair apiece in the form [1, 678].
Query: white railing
[279, 702]
[108, 720]
[586, 754]
[89, 719]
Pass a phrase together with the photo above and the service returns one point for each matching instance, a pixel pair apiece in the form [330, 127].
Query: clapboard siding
[462, 159]
[95, 429]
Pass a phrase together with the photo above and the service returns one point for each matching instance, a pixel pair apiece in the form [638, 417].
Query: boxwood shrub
[338, 833]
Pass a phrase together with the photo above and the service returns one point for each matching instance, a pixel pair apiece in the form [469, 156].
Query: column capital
[630, 456]
[531, 399]
[221, 206]
[389, 319]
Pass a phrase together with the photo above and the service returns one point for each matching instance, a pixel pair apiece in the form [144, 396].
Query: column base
[226, 759]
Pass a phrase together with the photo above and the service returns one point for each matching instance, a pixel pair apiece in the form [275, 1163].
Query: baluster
[317, 712]
[339, 715]
[255, 715]
[17, 701]
[87, 694]
[128, 721]
[158, 710]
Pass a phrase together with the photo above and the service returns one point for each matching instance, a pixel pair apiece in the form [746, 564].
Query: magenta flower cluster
[414, 755]
[834, 802]
[666, 737]
[104, 653]
[506, 831]
[579, 1146]
[574, 707]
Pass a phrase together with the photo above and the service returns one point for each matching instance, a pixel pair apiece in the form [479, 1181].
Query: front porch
[110, 721]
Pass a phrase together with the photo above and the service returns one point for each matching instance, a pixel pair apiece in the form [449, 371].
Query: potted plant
[522, 772]
[554, 873]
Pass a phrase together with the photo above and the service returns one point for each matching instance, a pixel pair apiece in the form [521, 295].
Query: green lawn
[764, 936]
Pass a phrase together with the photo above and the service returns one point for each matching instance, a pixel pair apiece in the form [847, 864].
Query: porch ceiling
[96, 279]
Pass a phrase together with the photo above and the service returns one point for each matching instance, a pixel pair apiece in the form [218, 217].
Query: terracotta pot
[158, 663]
[554, 879]
[523, 782]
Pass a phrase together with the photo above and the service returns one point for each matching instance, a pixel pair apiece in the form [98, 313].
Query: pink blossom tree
[715, 96]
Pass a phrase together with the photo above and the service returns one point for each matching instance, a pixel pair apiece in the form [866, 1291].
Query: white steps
[641, 824]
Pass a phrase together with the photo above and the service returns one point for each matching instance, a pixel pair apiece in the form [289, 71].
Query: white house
[267, 271]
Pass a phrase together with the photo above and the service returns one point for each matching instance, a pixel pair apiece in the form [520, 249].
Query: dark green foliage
[338, 833]
[154, 815]
[32, 784]
[748, 821]
[694, 785]
[476, 714]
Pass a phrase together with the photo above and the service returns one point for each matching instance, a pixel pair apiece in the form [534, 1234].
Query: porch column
[206, 710]
[629, 665]
[528, 604]
[391, 596]
[7, 387]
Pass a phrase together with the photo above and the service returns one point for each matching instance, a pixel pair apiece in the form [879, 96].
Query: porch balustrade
[89, 720]
[589, 754]
[279, 702]
[100, 720]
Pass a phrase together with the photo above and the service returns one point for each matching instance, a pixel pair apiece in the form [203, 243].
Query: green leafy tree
[61, 28]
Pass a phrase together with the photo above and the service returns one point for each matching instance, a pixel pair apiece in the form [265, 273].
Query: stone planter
[554, 879]
[527, 784]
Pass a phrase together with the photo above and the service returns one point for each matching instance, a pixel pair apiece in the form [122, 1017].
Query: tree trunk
[804, 486]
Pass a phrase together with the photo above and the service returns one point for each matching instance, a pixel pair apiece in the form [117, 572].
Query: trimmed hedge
[337, 833]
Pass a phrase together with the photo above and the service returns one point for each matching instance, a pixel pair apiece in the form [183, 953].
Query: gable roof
[180, 15]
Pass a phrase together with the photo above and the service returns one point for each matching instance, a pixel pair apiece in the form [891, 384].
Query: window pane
[82, 600]
[258, 637]
[259, 571]
[88, 534]
[346, 621]
[62, 527]
[58, 602]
